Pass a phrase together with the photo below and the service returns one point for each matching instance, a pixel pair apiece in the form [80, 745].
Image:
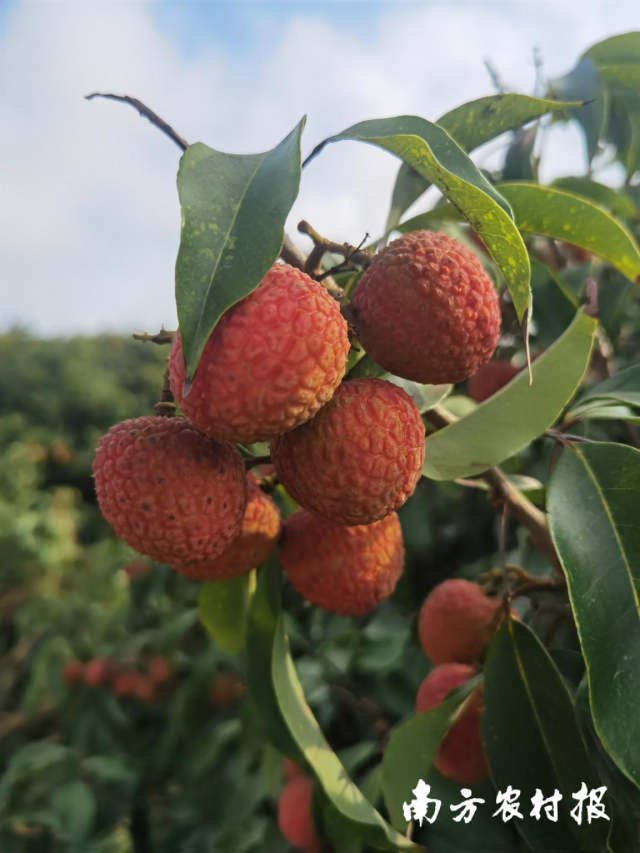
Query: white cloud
[88, 209]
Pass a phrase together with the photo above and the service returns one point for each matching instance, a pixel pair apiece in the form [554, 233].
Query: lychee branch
[505, 493]
[353, 255]
[164, 336]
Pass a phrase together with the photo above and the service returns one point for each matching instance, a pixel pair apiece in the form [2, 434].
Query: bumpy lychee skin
[257, 539]
[426, 310]
[460, 756]
[295, 817]
[359, 459]
[271, 362]
[345, 570]
[168, 491]
[454, 622]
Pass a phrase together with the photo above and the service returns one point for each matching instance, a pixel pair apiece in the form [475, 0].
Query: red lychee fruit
[455, 621]
[291, 769]
[460, 756]
[272, 361]
[98, 672]
[345, 570]
[168, 491]
[257, 539]
[125, 684]
[426, 310]
[490, 379]
[159, 670]
[73, 672]
[295, 815]
[226, 688]
[360, 457]
[145, 690]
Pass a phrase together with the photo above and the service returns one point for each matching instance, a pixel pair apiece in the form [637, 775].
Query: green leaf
[336, 784]
[366, 368]
[616, 49]
[409, 754]
[425, 396]
[532, 739]
[594, 505]
[615, 201]
[432, 153]
[599, 411]
[471, 125]
[233, 212]
[622, 387]
[519, 413]
[584, 83]
[223, 607]
[261, 636]
[75, 806]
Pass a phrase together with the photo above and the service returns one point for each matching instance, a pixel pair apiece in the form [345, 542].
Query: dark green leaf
[409, 754]
[532, 739]
[594, 506]
[471, 125]
[75, 806]
[510, 420]
[233, 213]
[432, 153]
[367, 823]
[518, 163]
[584, 83]
[223, 607]
[622, 387]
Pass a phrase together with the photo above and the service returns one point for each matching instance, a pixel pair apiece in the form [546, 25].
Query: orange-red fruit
[98, 672]
[295, 817]
[490, 379]
[345, 570]
[291, 769]
[460, 756]
[125, 684]
[256, 540]
[226, 688]
[359, 459]
[168, 491]
[272, 361]
[159, 670]
[426, 310]
[145, 690]
[73, 672]
[454, 622]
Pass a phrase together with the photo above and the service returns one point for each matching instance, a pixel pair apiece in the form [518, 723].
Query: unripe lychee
[345, 570]
[295, 815]
[460, 756]
[455, 621]
[159, 670]
[359, 459]
[73, 672]
[426, 310]
[272, 361]
[168, 491]
[256, 540]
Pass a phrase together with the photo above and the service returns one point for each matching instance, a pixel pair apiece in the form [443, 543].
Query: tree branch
[145, 112]
[162, 337]
[504, 492]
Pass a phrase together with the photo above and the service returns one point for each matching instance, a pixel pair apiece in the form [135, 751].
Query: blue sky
[88, 207]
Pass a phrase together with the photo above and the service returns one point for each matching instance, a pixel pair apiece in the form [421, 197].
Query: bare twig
[291, 254]
[166, 407]
[351, 254]
[162, 337]
[145, 112]
[504, 492]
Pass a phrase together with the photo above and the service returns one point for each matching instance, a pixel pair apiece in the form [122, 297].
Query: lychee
[73, 672]
[490, 379]
[145, 690]
[98, 672]
[159, 670]
[125, 684]
[460, 756]
[291, 769]
[168, 491]
[272, 361]
[226, 688]
[426, 310]
[360, 457]
[295, 815]
[256, 540]
[345, 570]
[454, 622]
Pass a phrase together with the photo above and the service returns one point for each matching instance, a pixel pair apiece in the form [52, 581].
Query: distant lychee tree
[536, 678]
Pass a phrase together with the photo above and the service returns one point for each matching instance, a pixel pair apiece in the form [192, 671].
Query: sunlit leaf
[223, 607]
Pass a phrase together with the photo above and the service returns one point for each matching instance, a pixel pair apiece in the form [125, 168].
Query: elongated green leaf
[433, 154]
[233, 213]
[337, 785]
[532, 739]
[409, 755]
[510, 420]
[223, 607]
[594, 506]
[584, 83]
[471, 125]
[615, 201]
[601, 411]
[622, 387]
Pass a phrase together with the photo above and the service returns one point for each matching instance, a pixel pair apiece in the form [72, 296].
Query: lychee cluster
[456, 622]
[143, 683]
[349, 452]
